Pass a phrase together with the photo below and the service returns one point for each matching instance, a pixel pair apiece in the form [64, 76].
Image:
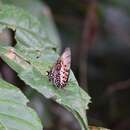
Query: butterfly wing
[59, 73]
[65, 66]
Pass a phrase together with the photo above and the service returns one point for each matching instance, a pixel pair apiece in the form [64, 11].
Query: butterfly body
[59, 73]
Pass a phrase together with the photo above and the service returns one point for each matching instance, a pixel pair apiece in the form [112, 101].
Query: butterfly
[59, 73]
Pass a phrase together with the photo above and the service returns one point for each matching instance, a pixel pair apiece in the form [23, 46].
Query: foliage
[14, 114]
[32, 56]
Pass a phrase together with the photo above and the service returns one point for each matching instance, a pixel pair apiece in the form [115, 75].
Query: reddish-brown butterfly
[59, 73]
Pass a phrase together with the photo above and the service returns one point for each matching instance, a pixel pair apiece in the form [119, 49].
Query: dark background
[98, 33]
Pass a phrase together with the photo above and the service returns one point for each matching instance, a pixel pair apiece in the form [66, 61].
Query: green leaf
[2, 127]
[42, 12]
[33, 55]
[14, 114]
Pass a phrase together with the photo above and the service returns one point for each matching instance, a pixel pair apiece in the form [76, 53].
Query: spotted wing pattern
[59, 73]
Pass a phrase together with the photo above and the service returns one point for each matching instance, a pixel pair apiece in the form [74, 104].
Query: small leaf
[14, 114]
